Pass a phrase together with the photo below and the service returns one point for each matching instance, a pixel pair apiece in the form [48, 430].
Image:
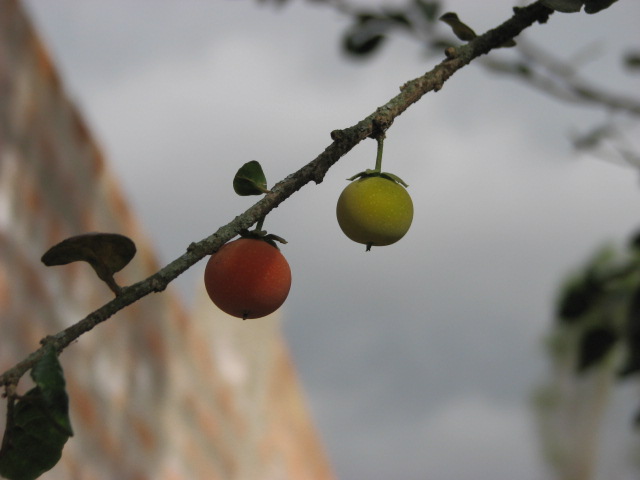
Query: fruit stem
[380, 140]
[259, 224]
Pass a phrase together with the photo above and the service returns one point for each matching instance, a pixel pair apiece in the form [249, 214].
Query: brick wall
[156, 392]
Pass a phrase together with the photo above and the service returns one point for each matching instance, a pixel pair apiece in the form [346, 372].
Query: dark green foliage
[578, 298]
[430, 11]
[601, 309]
[594, 6]
[632, 337]
[399, 17]
[361, 44]
[38, 424]
[595, 344]
[634, 242]
[602, 306]
[632, 60]
[371, 28]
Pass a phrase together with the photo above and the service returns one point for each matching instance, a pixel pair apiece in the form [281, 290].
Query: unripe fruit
[375, 211]
[248, 278]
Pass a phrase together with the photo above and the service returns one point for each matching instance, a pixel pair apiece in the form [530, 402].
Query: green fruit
[374, 211]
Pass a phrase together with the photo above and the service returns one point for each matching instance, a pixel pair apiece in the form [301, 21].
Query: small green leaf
[107, 253]
[460, 29]
[38, 424]
[362, 43]
[565, 6]
[594, 6]
[250, 180]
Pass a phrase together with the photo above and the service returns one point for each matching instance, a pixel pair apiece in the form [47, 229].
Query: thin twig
[343, 141]
[560, 79]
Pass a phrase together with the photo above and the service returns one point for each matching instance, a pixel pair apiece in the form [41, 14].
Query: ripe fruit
[374, 210]
[248, 278]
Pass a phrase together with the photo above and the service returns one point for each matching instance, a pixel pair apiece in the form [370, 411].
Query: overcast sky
[418, 359]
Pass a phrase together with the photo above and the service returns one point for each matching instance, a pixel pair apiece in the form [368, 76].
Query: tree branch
[561, 81]
[343, 141]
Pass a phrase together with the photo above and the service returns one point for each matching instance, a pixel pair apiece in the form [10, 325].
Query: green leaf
[594, 6]
[107, 253]
[565, 6]
[594, 346]
[38, 424]
[48, 375]
[250, 180]
[359, 43]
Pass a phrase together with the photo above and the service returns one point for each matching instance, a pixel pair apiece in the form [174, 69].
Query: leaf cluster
[371, 28]
[600, 308]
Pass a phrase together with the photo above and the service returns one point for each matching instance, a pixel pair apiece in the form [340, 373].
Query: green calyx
[263, 235]
[377, 173]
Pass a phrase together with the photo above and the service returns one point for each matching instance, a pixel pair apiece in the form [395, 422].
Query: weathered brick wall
[155, 392]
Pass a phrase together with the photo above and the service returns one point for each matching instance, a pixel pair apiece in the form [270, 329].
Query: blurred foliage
[370, 27]
[599, 309]
[38, 423]
[632, 60]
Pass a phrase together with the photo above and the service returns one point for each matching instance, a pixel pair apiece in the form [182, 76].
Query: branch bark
[343, 141]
